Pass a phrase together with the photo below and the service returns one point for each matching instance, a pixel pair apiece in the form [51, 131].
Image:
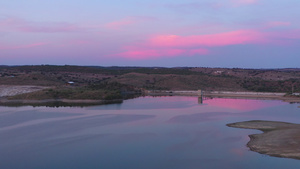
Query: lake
[144, 133]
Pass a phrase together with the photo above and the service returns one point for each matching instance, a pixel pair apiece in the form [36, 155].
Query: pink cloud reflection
[239, 151]
[242, 104]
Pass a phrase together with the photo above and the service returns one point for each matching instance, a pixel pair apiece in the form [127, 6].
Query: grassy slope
[103, 91]
[178, 82]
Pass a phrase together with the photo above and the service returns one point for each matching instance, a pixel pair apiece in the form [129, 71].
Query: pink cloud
[48, 28]
[120, 24]
[221, 39]
[33, 45]
[187, 7]
[17, 24]
[141, 53]
[11, 22]
[125, 22]
[77, 42]
[244, 2]
[161, 46]
[23, 46]
[283, 37]
[278, 24]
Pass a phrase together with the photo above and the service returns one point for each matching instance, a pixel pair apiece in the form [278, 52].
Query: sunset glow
[235, 33]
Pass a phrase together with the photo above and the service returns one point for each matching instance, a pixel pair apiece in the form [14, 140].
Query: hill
[77, 81]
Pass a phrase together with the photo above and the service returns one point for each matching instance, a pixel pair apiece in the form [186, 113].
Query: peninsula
[278, 139]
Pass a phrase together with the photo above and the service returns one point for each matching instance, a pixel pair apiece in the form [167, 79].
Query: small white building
[70, 83]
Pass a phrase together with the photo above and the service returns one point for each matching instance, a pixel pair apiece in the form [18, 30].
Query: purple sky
[169, 33]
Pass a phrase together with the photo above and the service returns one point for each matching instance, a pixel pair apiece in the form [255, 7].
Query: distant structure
[218, 72]
[70, 83]
[200, 96]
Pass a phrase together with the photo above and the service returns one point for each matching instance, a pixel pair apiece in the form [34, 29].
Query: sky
[167, 33]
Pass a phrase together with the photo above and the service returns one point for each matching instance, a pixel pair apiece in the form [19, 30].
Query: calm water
[160, 132]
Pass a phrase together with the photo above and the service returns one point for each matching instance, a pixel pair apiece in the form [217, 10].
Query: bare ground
[9, 90]
[278, 139]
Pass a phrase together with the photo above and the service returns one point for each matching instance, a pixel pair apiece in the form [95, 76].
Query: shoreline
[6, 90]
[279, 139]
[57, 102]
[227, 94]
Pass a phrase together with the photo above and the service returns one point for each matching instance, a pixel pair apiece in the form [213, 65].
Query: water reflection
[150, 103]
[243, 104]
[198, 117]
[161, 132]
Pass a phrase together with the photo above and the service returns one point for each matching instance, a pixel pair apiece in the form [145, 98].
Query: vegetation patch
[102, 91]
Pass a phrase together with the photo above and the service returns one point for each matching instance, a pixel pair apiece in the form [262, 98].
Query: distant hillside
[158, 78]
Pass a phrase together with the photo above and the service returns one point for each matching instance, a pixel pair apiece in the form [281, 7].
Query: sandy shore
[278, 139]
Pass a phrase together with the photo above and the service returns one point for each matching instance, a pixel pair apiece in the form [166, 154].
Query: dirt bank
[8, 90]
[56, 102]
[278, 139]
